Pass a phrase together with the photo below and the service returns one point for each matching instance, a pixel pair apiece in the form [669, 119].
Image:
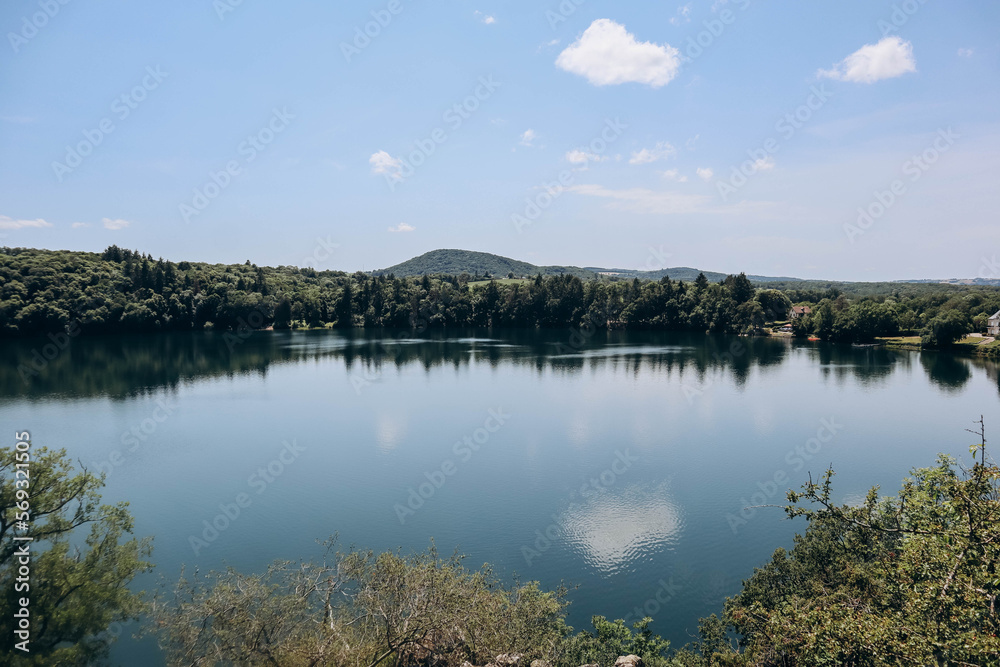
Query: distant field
[503, 281]
[904, 342]
[976, 342]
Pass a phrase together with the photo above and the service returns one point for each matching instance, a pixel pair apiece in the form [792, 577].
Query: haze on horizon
[727, 135]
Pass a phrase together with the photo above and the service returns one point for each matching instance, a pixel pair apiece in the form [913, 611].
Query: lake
[619, 463]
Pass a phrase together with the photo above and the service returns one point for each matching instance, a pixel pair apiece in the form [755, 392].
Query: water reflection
[122, 366]
[948, 372]
[616, 529]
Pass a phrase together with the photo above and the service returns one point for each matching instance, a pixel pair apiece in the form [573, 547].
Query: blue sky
[586, 132]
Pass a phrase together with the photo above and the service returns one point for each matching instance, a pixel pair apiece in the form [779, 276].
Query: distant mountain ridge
[454, 262]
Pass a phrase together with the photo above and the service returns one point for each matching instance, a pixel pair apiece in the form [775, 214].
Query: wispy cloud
[965, 53]
[642, 200]
[705, 173]
[486, 18]
[675, 175]
[527, 137]
[78, 225]
[607, 54]
[547, 45]
[110, 223]
[660, 151]
[10, 223]
[889, 58]
[582, 158]
[683, 15]
[403, 227]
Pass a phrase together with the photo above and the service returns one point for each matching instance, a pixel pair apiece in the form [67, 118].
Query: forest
[124, 291]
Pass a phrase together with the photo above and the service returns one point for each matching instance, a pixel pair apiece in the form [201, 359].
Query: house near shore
[993, 326]
[798, 311]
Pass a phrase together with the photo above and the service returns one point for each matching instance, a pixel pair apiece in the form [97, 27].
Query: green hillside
[456, 262]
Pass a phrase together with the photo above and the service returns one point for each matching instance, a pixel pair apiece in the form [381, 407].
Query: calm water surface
[618, 463]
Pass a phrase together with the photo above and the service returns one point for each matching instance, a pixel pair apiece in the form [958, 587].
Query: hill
[456, 262]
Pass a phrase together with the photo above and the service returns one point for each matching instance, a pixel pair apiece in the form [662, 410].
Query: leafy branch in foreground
[892, 581]
[357, 609]
[78, 587]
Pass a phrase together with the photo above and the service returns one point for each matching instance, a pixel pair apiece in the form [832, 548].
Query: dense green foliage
[45, 292]
[78, 584]
[940, 317]
[123, 291]
[910, 580]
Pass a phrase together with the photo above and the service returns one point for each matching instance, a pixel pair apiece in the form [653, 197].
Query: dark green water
[618, 463]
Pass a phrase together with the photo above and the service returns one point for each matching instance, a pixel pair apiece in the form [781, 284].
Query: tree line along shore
[124, 291]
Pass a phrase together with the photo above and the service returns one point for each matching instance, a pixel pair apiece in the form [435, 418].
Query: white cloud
[764, 164]
[485, 18]
[527, 137]
[641, 200]
[582, 157]
[660, 151]
[683, 15]
[607, 54]
[705, 173]
[889, 58]
[403, 227]
[78, 225]
[383, 163]
[965, 53]
[115, 224]
[10, 223]
[674, 175]
[690, 143]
